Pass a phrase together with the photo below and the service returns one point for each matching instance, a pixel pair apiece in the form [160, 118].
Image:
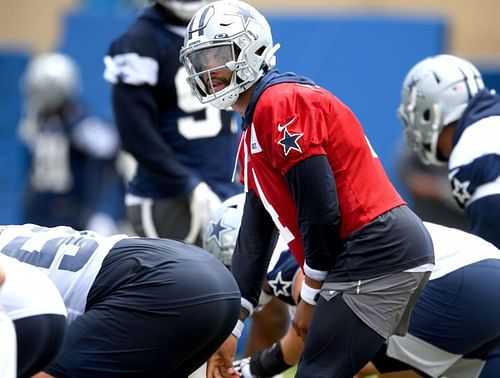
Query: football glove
[243, 367]
[203, 205]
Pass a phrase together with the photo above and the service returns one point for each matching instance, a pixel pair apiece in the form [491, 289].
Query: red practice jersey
[293, 122]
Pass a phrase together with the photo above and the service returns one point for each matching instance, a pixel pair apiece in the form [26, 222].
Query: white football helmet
[226, 35]
[183, 9]
[222, 230]
[435, 93]
[50, 80]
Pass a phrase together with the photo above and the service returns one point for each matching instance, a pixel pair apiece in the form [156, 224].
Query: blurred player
[133, 304]
[72, 152]
[184, 150]
[450, 117]
[312, 176]
[452, 329]
[37, 310]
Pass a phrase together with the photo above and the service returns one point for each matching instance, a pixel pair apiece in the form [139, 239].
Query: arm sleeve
[254, 247]
[312, 185]
[136, 113]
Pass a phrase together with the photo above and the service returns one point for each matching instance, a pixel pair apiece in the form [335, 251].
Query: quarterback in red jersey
[311, 176]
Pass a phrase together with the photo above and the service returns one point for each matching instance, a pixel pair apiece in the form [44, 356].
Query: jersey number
[77, 251]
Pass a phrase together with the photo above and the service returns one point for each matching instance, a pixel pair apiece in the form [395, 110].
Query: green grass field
[290, 373]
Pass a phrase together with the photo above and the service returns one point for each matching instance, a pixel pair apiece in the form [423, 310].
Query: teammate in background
[312, 176]
[72, 173]
[184, 150]
[450, 117]
[429, 191]
[452, 329]
[133, 304]
[34, 304]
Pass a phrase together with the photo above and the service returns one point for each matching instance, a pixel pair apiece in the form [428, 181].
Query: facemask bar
[202, 62]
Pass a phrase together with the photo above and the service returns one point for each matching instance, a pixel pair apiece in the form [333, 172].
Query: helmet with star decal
[221, 232]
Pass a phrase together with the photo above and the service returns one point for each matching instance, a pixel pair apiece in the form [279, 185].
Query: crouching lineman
[445, 336]
[32, 302]
[133, 304]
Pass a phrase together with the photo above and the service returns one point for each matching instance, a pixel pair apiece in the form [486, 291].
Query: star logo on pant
[280, 286]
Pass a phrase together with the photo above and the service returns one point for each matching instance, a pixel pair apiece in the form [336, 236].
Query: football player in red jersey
[311, 176]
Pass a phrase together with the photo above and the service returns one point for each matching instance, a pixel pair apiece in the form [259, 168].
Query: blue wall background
[13, 159]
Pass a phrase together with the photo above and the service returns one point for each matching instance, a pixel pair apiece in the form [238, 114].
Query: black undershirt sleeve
[313, 188]
[254, 247]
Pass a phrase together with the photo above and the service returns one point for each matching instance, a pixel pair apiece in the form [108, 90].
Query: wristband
[308, 294]
[238, 328]
[315, 274]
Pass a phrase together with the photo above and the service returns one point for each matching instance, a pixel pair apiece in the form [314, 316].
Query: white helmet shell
[51, 80]
[222, 230]
[435, 93]
[227, 35]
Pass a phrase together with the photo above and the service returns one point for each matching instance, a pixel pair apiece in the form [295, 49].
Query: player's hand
[220, 364]
[302, 319]
[203, 205]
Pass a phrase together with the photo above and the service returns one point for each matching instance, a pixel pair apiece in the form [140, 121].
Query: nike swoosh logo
[281, 128]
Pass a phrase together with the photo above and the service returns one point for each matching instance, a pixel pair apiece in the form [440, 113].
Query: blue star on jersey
[216, 231]
[280, 286]
[290, 142]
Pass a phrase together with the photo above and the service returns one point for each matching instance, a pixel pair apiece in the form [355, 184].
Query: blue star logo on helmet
[216, 231]
[246, 14]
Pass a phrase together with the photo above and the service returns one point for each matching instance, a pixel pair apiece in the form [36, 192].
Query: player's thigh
[165, 218]
[111, 342]
[48, 331]
[338, 343]
[459, 312]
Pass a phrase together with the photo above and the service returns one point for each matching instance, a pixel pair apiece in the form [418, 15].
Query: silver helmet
[50, 81]
[435, 93]
[226, 35]
[183, 9]
[222, 230]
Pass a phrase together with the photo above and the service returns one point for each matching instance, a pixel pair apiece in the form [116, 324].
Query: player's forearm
[318, 212]
[254, 247]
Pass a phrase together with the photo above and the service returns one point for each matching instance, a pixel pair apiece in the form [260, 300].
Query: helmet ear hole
[426, 115]
[260, 50]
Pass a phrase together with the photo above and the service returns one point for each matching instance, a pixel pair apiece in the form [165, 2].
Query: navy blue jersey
[474, 165]
[72, 167]
[176, 141]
